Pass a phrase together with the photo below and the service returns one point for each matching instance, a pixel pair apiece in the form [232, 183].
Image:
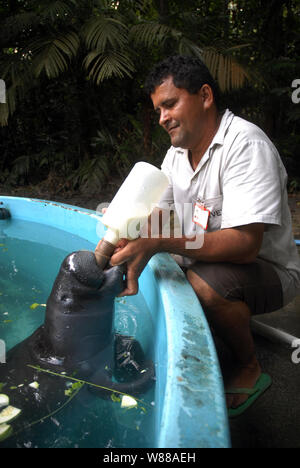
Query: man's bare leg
[231, 321]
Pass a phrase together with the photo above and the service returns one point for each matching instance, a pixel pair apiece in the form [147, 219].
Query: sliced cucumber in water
[4, 400]
[5, 431]
[8, 414]
[128, 402]
[34, 385]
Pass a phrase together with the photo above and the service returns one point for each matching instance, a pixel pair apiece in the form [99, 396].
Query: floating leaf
[74, 387]
[35, 305]
[5, 431]
[115, 398]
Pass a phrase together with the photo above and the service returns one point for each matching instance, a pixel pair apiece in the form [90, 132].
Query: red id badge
[201, 215]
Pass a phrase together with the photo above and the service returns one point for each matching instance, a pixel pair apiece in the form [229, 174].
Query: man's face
[181, 114]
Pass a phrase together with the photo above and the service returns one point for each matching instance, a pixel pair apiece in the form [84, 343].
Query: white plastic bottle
[131, 206]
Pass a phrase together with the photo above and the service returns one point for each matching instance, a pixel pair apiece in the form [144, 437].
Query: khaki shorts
[257, 284]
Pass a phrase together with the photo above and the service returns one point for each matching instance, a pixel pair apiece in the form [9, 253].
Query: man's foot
[243, 377]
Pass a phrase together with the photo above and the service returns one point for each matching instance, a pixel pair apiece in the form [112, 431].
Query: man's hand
[235, 245]
[136, 254]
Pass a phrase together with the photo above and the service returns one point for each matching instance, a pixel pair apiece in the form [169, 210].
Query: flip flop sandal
[262, 384]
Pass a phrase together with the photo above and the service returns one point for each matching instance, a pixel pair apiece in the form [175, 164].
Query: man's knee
[207, 295]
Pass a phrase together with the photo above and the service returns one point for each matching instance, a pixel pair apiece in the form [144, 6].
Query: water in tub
[27, 271]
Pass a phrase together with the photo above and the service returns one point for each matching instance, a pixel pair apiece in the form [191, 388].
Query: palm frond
[225, 69]
[53, 55]
[150, 33]
[68, 44]
[103, 32]
[112, 63]
[188, 47]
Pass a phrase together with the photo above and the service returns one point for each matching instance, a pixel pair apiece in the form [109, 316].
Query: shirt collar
[217, 140]
[222, 130]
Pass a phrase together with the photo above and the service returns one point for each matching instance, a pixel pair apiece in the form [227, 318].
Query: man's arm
[236, 245]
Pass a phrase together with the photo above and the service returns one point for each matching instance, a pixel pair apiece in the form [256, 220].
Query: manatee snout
[83, 266]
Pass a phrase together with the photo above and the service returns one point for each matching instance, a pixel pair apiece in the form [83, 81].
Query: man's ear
[206, 96]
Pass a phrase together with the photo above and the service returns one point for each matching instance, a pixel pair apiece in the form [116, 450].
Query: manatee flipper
[134, 374]
[140, 384]
[129, 355]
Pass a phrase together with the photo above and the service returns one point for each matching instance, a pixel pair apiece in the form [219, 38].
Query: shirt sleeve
[252, 185]
[167, 198]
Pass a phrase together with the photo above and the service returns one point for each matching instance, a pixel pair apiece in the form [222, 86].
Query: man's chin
[177, 142]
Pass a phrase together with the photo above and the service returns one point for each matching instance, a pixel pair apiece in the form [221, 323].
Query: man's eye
[169, 105]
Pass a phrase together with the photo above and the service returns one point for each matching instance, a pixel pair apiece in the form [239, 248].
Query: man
[231, 173]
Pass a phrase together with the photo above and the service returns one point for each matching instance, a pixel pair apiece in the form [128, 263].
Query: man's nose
[164, 117]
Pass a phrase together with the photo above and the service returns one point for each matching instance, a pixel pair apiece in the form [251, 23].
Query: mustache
[170, 125]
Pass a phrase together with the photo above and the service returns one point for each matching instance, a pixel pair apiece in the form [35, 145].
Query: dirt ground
[52, 190]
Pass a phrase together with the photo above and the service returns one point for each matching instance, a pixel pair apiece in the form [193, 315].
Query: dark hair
[189, 73]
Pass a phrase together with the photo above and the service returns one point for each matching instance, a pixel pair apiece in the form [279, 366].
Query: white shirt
[241, 180]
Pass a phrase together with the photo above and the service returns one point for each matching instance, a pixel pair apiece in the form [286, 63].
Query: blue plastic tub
[190, 408]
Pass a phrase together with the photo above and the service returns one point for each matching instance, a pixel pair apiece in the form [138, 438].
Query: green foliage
[90, 175]
[74, 71]
[53, 55]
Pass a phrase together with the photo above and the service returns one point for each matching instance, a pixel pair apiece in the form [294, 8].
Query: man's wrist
[168, 244]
